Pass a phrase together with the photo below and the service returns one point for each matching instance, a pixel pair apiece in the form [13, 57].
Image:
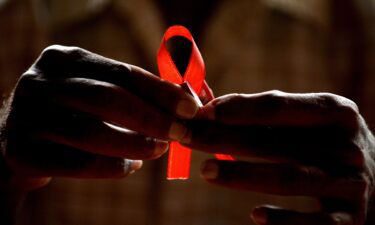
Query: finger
[60, 125]
[279, 144]
[106, 102]
[281, 179]
[276, 108]
[77, 62]
[270, 215]
[39, 158]
[97, 137]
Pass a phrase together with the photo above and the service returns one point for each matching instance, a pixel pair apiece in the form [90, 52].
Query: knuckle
[57, 56]
[356, 156]
[275, 93]
[303, 180]
[74, 53]
[227, 104]
[26, 80]
[229, 99]
[28, 84]
[336, 101]
[349, 114]
[54, 52]
[356, 147]
[272, 101]
[346, 110]
[274, 97]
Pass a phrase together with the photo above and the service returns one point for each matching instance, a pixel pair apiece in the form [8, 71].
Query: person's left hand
[314, 145]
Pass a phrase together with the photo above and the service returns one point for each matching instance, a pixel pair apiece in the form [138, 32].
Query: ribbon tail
[224, 157]
[179, 162]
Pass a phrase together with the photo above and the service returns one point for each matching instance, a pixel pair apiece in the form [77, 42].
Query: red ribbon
[180, 156]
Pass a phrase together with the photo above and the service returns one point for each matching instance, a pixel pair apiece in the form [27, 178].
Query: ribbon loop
[195, 71]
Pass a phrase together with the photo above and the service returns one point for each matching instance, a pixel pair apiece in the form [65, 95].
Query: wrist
[5, 176]
[9, 180]
[13, 182]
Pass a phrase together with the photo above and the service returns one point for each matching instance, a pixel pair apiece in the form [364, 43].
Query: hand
[60, 120]
[314, 145]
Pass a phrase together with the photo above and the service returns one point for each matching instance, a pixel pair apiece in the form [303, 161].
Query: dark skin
[56, 125]
[60, 120]
[62, 106]
[314, 145]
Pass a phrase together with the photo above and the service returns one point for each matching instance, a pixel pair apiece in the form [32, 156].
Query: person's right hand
[58, 120]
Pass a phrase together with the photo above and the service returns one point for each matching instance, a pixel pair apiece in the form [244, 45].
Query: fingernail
[177, 131]
[187, 108]
[210, 170]
[160, 147]
[136, 165]
[259, 216]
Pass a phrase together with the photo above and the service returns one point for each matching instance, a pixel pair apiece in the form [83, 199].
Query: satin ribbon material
[180, 156]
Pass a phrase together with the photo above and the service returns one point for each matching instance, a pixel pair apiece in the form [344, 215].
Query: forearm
[11, 198]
